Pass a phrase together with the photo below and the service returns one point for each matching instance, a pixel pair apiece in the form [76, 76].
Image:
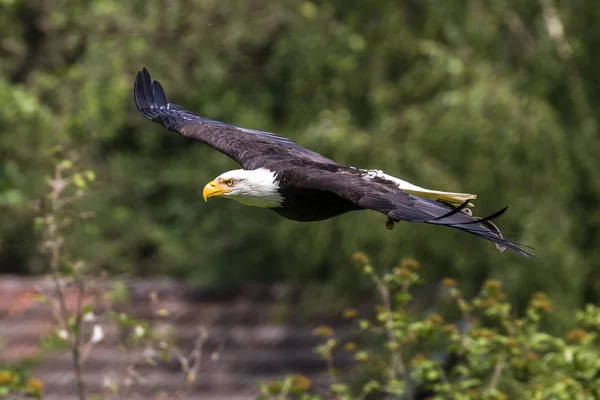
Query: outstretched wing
[245, 146]
[398, 205]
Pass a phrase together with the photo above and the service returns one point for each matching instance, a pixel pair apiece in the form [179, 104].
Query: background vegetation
[488, 355]
[498, 98]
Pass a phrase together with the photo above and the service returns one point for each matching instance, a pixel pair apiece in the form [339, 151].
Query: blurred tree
[492, 97]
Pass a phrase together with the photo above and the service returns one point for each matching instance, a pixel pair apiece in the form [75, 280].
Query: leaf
[79, 181]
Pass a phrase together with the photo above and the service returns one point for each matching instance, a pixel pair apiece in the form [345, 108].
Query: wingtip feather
[482, 227]
[138, 92]
[146, 94]
[160, 98]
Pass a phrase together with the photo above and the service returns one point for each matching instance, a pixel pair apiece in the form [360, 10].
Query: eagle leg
[390, 224]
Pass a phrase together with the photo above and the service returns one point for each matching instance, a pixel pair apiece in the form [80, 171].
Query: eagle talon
[389, 224]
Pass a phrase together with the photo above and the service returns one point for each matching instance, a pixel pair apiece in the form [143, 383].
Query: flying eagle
[302, 185]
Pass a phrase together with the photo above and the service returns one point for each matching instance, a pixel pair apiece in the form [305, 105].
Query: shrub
[489, 353]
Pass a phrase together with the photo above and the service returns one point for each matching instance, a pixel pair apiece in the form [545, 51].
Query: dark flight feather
[314, 186]
[245, 146]
[398, 205]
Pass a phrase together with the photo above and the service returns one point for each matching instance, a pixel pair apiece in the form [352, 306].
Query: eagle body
[302, 185]
[308, 204]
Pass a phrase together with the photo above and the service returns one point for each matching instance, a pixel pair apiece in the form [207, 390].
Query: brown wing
[246, 146]
[397, 205]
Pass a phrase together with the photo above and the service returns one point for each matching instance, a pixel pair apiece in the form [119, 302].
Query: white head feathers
[257, 187]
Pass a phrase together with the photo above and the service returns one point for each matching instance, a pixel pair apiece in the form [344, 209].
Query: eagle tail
[457, 217]
[451, 198]
[483, 227]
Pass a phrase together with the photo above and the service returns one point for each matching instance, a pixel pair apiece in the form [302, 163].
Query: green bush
[79, 327]
[16, 381]
[492, 353]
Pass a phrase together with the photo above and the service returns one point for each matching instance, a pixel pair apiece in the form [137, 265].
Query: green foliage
[493, 353]
[491, 97]
[80, 326]
[16, 382]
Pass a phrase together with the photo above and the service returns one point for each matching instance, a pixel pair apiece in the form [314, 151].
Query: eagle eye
[230, 182]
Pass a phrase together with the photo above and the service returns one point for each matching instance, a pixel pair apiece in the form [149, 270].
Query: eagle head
[257, 187]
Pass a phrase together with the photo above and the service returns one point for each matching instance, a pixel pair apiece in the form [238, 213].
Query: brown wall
[256, 332]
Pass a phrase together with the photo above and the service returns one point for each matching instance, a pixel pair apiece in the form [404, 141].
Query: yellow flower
[450, 328]
[417, 358]
[350, 313]
[360, 258]
[493, 284]
[541, 301]
[576, 335]
[300, 383]
[436, 319]
[449, 283]
[404, 273]
[6, 377]
[531, 356]
[350, 346]
[409, 263]
[35, 386]
[410, 337]
[488, 302]
[323, 331]
[483, 333]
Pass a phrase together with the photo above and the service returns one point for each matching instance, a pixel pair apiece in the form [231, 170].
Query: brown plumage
[313, 187]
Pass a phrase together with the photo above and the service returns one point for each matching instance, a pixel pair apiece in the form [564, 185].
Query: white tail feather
[455, 199]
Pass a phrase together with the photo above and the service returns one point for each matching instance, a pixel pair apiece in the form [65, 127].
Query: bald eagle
[302, 185]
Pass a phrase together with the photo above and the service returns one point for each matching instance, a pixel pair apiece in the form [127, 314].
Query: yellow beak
[212, 189]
